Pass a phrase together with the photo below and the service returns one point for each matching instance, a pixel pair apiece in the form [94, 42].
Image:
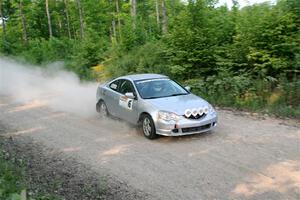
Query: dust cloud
[59, 89]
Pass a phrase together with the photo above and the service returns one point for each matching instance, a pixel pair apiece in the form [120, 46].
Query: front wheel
[148, 127]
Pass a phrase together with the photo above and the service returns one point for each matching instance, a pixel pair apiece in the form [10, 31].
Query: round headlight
[188, 113]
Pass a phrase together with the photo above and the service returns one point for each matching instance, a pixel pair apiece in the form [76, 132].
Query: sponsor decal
[113, 86]
[151, 80]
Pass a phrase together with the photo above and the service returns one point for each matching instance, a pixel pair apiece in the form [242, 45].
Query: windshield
[157, 88]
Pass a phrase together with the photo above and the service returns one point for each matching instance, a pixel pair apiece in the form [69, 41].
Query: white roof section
[135, 77]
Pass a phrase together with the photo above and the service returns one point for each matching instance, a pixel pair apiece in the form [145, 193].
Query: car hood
[178, 104]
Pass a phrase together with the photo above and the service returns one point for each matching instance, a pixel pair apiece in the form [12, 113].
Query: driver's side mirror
[130, 95]
[188, 88]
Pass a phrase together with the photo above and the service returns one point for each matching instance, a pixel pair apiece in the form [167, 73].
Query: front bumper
[186, 126]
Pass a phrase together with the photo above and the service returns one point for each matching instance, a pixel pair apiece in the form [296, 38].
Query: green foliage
[85, 54]
[41, 51]
[240, 91]
[238, 57]
[148, 58]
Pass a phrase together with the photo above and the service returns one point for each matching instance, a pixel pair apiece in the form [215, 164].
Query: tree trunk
[59, 22]
[157, 13]
[173, 7]
[23, 20]
[112, 29]
[164, 17]
[67, 16]
[119, 20]
[133, 12]
[49, 19]
[2, 20]
[80, 18]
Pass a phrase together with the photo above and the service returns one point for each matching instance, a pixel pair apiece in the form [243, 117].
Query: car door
[128, 107]
[111, 97]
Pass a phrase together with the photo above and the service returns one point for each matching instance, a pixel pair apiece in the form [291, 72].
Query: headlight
[167, 116]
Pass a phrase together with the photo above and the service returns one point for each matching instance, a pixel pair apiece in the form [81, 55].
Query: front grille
[197, 116]
[195, 129]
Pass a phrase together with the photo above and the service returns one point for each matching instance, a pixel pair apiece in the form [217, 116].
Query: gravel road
[245, 158]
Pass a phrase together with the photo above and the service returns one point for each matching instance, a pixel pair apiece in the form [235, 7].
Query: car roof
[135, 77]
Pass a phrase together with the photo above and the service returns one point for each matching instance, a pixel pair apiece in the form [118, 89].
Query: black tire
[148, 127]
[102, 109]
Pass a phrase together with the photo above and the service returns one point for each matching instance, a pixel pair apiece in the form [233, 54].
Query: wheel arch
[141, 115]
[152, 134]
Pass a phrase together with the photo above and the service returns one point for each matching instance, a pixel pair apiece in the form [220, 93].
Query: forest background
[246, 58]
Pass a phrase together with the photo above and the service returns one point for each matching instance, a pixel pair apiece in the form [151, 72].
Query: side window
[126, 86]
[114, 85]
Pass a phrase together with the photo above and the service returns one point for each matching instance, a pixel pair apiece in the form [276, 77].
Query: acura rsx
[161, 106]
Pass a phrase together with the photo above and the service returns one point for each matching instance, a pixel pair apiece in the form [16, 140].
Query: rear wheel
[102, 109]
[148, 127]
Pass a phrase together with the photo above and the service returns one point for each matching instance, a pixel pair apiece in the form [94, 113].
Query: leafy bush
[41, 51]
[242, 92]
[148, 58]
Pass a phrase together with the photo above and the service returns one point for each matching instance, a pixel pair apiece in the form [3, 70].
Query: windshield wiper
[178, 94]
[151, 97]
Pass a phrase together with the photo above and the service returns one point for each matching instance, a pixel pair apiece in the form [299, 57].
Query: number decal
[129, 104]
[126, 102]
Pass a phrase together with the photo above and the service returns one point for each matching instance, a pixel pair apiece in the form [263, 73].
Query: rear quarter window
[114, 85]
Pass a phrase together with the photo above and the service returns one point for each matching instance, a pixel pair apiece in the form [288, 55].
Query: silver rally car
[157, 103]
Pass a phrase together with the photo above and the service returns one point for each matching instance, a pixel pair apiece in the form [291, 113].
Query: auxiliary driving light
[194, 112]
[188, 113]
[200, 111]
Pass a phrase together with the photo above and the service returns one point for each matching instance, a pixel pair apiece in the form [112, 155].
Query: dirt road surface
[245, 158]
